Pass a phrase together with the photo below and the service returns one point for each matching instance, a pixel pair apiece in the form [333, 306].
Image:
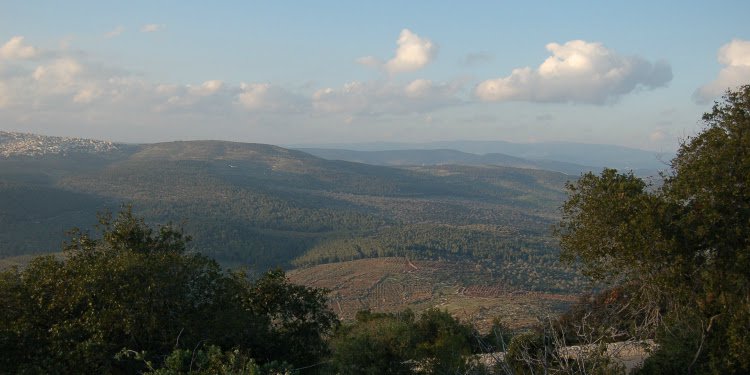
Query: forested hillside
[265, 206]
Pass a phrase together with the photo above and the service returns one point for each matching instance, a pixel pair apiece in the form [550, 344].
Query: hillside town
[34, 145]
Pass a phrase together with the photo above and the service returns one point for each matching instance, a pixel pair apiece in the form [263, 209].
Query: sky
[630, 73]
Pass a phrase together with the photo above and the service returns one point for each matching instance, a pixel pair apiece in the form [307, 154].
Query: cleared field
[464, 289]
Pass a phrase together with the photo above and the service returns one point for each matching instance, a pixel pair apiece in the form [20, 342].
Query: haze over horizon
[635, 74]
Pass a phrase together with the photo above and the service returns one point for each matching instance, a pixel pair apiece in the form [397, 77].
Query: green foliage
[210, 360]
[443, 344]
[527, 353]
[375, 344]
[497, 339]
[686, 243]
[599, 226]
[296, 318]
[379, 343]
[137, 287]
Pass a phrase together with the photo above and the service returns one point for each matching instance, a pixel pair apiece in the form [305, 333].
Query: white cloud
[152, 28]
[166, 89]
[379, 98]
[577, 71]
[59, 75]
[58, 80]
[264, 97]
[212, 96]
[87, 95]
[735, 56]
[117, 31]
[418, 88]
[15, 49]
[207, 88]
[413, 53]
[65, 86]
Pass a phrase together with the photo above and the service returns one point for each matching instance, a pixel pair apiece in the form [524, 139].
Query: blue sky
[631, 73]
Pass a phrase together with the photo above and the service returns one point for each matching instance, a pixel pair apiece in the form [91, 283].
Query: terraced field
[464, 289]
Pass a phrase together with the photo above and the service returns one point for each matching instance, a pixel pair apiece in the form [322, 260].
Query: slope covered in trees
[266, 206]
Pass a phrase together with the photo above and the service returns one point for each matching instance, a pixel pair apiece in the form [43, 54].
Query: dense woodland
[263, 206]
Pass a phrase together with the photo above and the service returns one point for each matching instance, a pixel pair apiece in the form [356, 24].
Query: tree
[444, 344]
[296, 320]
[382, 343]
[683, 248]
[134, 287]
[376, 343]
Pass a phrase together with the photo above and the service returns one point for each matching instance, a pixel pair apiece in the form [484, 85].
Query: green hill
[265, 206]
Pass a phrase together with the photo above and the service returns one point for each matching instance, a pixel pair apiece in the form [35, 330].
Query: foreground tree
[683, 248]
[382, 343]
[137, 288]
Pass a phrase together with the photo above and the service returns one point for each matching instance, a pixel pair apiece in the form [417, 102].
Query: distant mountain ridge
[583, 155]
[569, 158]
[442, 157]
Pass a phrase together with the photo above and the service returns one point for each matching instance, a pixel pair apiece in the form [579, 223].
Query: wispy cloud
[152, 28]
[117, 31]
[735, 56]
[370, 61]
[580, 72]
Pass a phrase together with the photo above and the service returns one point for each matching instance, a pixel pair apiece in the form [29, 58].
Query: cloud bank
[380, 98]
[66, 88]
[578, 72]
[735, 56]
[63, 82]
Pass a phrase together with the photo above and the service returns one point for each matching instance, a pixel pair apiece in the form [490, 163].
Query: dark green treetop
[684, 245]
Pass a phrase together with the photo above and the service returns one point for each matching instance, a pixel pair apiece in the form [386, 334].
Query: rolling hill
[263, 206]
